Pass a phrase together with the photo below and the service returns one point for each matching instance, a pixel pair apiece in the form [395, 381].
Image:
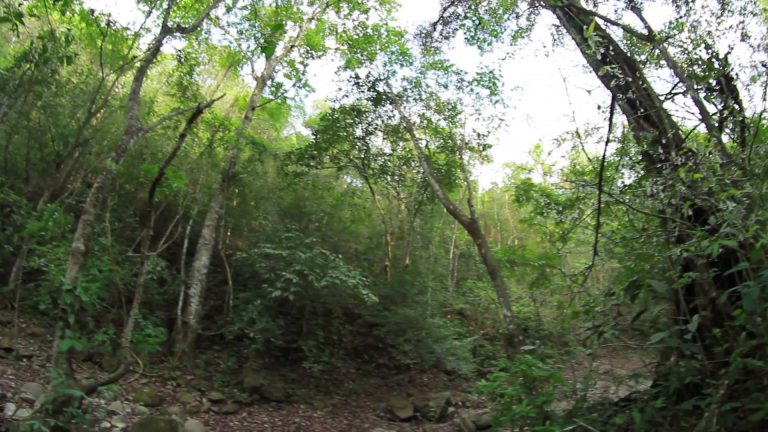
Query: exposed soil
[342, 400]
[348, 400]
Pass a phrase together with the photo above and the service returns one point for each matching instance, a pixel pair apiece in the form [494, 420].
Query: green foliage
[423, 343]
[297, 295]
[523, 391]
[149, 336]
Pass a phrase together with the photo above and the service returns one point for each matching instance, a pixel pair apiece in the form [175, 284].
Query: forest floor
[344, 400]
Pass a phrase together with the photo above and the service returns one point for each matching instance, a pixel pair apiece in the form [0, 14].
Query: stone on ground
[141, 410]
[186, 397]
[483, 420]
[33, 389]
[229, 408]
[148, 396]
[119, 422]
[400, 408]
[254, 382]
[192, 425]
[118, 407]
[156, 424]
[216, 397]
[432, 407]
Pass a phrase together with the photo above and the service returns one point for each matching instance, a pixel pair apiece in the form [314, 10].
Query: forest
[188, 244]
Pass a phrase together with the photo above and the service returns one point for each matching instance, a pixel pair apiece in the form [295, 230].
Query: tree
[133, 130]
[276, 42]
[716, 264]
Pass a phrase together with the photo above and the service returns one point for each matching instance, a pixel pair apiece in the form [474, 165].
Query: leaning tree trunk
[188, 322]
[663, 150]
[68, 310]
[147, 222]
[512, 337]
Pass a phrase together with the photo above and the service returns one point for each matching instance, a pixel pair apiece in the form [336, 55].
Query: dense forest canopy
[170, 202]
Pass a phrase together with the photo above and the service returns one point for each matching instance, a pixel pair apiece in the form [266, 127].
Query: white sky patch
[125, 12]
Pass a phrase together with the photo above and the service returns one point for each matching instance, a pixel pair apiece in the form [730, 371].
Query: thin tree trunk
[512, 337]
[388, 242]
[189, 326]
[133, 130]
[148, 222]
[453, 259]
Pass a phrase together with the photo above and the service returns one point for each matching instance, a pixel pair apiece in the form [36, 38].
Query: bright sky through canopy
[540, 108]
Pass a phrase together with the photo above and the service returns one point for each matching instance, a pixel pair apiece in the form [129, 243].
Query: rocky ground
[227, 396]
[258, 400]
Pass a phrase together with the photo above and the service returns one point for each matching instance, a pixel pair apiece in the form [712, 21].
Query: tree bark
[147, 221]
[663, 150]
[623, 76]
[188, 327]
[512, 336]
[133, 130]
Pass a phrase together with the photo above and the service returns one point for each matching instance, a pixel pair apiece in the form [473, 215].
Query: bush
[522, 390]
[298, 296]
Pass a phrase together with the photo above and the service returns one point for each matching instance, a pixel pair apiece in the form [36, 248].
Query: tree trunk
[133, 130]
[512, 336]
[388, 241]
[663, 151]
[453, 260]
[188, 327]
[147, 221]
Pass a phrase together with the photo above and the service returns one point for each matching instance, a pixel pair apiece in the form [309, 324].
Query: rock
[400, 408]
[174, 411]
[119, 422]
[245, 399]
[193, 425]
[22, 413]
[9, 410]
[108, 394]
[206, 405]
[433, 407]
[156, 424]
[381, 430]
[194, 408]
[464, 419]
[483, 420]
[274, 391]
[459, 399]
[200, 384]
[253, 381]
[216, 397]
[148, 396]
[28, 398]
[141, 410]
[186, 398]
[118, 407]
[33, 389]
[229, 408]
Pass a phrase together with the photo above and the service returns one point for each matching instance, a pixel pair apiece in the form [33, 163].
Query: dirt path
[342, 401]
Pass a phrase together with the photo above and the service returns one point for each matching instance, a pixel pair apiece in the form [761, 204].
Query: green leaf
[658, 337]
[694, 324]
[591, 28]
[67, 344]
[269, 47]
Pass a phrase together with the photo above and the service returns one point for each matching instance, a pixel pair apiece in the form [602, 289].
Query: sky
[548, 91]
